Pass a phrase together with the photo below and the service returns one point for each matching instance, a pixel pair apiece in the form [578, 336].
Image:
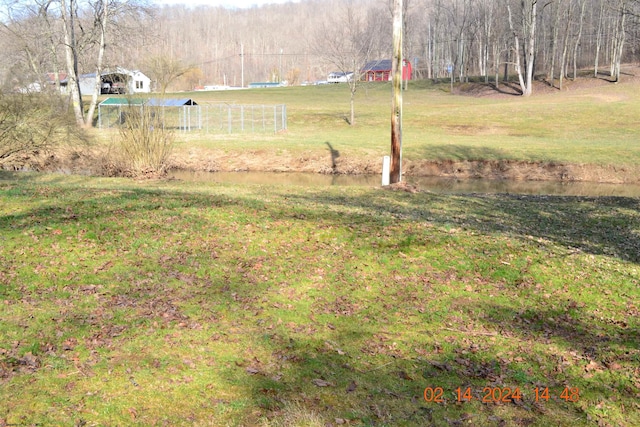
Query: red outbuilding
[380, 70]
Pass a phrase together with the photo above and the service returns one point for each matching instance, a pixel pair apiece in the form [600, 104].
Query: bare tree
[344, 45]
[578, 38]
[165, 70]
[554, 42]
[618, 38]
[69, 13]
[565, 43]
[598, 38]
[29, 29]
[33, 123]
[101, 14]
[85, 28]
[529, 14]
[470, 36]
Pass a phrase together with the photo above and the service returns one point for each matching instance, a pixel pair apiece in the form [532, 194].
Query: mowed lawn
[590, 122]
[171, 303]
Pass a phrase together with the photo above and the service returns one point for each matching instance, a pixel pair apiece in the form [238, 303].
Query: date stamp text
[499, 394]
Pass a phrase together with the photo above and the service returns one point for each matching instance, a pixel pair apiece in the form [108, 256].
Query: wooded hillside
[182, 48]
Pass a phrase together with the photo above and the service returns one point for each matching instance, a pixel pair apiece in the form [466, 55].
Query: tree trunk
[68, 12]
[598, 39]
[429, 52]
[516, 52]
[565, 45]
[619, 38]
[577, 41]
[103, 44]
[531, 16]
[53, 47]
[485, 43]
[496, 63]
[554, 46]
[505, 75]
[353, 87]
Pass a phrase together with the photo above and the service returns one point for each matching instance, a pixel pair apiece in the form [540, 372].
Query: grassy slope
[174, 303]
[596, 125]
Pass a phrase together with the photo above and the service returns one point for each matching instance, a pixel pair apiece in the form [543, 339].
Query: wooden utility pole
[396, 105]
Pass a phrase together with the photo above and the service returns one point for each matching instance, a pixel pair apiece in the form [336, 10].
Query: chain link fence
[208, 118]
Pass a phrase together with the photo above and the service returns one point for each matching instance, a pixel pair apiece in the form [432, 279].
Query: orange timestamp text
[499, 394]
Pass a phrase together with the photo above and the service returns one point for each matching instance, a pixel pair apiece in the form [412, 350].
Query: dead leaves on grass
[322, 383]
[11, 363]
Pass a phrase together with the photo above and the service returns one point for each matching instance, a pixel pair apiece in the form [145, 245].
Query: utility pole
[396, 104]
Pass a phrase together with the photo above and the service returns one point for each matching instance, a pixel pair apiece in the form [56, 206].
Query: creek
[433, 184]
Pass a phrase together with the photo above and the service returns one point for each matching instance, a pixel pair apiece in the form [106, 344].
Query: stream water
[436, 185]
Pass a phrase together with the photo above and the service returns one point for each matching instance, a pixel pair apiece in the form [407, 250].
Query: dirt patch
[541, 86]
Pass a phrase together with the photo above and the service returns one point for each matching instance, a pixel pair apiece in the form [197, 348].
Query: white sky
[225, 3]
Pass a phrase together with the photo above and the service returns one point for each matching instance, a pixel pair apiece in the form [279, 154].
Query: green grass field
[172, 303]
[583, 125]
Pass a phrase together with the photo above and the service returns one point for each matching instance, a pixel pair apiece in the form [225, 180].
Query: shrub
[33, 124]
[144, 144]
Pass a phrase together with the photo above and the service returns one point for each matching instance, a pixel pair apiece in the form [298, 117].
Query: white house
[139, 82]
[340, 77]
[119, 81]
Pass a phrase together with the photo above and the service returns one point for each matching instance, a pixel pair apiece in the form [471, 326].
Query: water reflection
[434, 184]
[278, 178]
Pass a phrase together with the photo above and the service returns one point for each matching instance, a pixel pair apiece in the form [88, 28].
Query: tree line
[182, 47]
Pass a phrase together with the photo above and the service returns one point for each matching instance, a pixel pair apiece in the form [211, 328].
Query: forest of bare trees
[550, 40]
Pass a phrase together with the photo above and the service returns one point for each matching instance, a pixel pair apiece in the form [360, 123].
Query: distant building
[340, 77]
[119, 81]
[380, 70]
[48, 83]
[256, 85]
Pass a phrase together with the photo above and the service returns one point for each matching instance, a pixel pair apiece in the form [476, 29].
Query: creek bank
[93, 161]
[516, 170]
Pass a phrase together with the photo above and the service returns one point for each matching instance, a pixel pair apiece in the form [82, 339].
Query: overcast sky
[225, 3]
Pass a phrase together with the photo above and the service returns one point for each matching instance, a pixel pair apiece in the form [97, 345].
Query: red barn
[380, 70]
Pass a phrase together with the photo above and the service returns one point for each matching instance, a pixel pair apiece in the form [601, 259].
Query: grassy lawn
[582, 125]
[170, 303]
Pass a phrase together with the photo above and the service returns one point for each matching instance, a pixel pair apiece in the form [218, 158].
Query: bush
[144, 144]
[32, 125]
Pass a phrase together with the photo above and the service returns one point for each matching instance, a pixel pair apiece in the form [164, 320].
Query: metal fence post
[284, 117]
